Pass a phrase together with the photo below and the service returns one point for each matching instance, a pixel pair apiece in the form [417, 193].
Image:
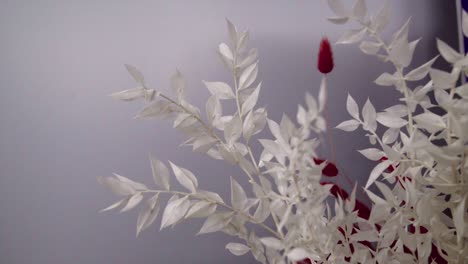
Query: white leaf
[157, 109]
[175, 210]
[352, 36]
[251, 101]
[132, 202]
[360, 9]
[372, 153]
[233, 130]
[160, 173]
[213, 109]
[398, 110]
[349, 125]
[386, 192]
[465, 23]
[390, 135]
[254, 122]
[448, 53]
[301, 115]
[272, 242]
[459, 219]
[130, 94]
[352, 107]
[249, 59]
[442, 79]
[381, 20]
[114, 205]
[420, 72]
[226, 52]
[322, 94]
[400, 52]
[222, 90]
[402, 33]
[369, 116]
[338, 20]
[238, 196]
[337, 7]
[201, 209]
[376, 172]
[242, 41]
[178, 85]
[185, 177]
[137, 76]
[298, 254]
[133, 184]
[369, 47]
[215, 222]
[390, 120]
[148, 214]
[430, 121]
[116, 186]
[232, 31]
[237, 249]
[263, 211]
[248, 76]
[387, 79]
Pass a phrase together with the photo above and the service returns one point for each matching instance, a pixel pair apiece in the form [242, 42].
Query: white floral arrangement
[418, 216]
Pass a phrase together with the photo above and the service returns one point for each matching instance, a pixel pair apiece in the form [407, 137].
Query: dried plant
[420, 214]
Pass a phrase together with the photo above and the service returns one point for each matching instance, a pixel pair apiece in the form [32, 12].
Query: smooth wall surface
[59, 130]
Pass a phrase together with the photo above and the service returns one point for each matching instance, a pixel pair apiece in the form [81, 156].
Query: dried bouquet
[419, 208]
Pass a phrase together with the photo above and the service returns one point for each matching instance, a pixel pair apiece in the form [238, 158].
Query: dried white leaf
[448, 53]
[442, 79]
[238, 196]
[391, 120]
[465, 23]
[215, 222]
[298, 254]
[360, 9]
[232, 31]
[372, 153]
[237, 249]
[233, 130]
[132, 202]
[114, 205]
[137, 76]
[369, 116]
[352, 36]
[175, 210]
[338, 20]
[185, 178]
[349, 125]
[130, 94]
[160, 173]
[201, 209]
[148, 214]
[178, 85]
[251, 101]
[430, 121]
[369, 47]
[272, 242]
[352, 107]
[226, 52]
[248, 76]
[376, 172]
[337, 7]
[420, 72]
[380, 21]
[387, 79]
[459, 219]
[222, 90]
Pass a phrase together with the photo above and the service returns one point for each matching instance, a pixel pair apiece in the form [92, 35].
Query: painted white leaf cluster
[418, 146]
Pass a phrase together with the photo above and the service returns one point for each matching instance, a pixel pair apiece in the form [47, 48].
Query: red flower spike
[330, 170]
[325, 57]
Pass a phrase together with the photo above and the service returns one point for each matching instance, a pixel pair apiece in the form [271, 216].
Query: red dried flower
[329, 170]
[325, 57]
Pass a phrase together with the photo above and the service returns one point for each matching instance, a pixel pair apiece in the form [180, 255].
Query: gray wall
[59, 130]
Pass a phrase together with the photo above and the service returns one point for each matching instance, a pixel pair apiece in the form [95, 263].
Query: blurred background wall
[59, 60]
